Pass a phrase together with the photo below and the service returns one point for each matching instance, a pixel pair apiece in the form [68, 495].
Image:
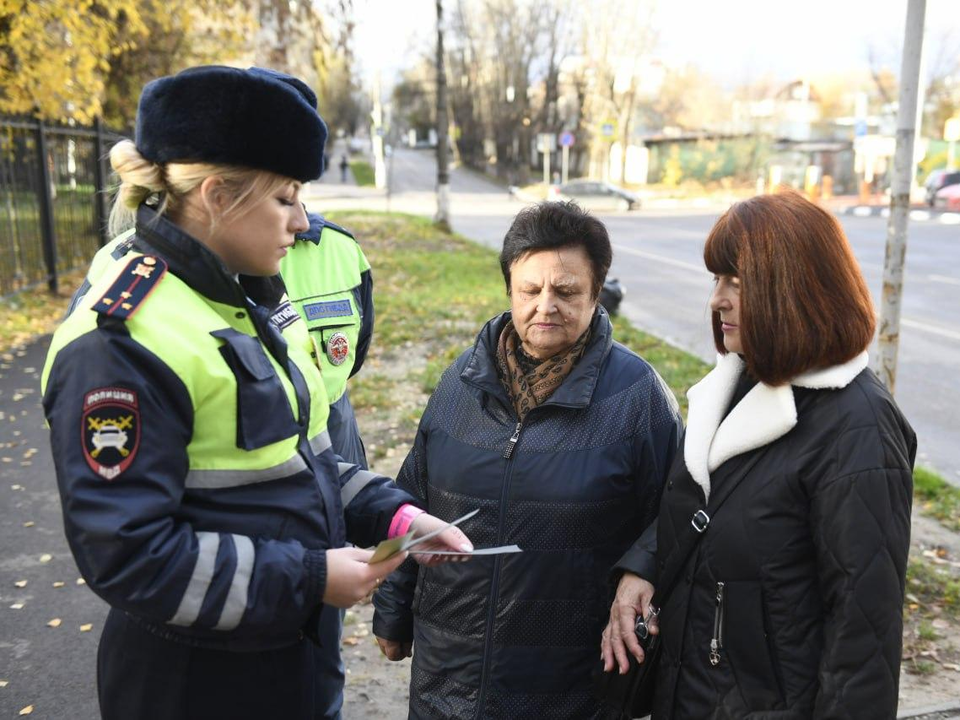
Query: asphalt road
[657, 256]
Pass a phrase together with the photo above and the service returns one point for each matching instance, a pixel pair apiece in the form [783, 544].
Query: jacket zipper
[495, 585]
[512, 442]
[716, 642]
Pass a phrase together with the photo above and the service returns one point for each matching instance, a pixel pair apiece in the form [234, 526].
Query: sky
[735, 40]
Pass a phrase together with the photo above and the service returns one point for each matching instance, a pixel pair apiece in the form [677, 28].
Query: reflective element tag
[338, 347]
[110, 428]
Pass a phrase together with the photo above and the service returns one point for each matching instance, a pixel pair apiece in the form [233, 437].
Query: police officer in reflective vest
[202, 497]
[329, 284]
[330, 288]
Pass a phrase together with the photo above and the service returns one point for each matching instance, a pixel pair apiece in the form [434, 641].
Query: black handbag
[631, 694]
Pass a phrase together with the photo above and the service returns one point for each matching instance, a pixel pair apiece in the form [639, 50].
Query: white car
[109, 436]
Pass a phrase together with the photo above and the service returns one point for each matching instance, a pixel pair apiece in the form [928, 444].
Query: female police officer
[201, 496]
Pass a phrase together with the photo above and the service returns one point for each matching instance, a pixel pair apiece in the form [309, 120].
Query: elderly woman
[562, 438]
[795, 480]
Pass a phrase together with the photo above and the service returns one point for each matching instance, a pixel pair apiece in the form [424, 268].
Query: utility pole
[442, 218]
[889, 334]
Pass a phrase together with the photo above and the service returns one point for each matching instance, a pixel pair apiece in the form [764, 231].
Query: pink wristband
[403, 519]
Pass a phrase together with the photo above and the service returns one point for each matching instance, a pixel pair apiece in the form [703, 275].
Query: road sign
[546, 142]
[566, 139]
[860, 128]
[607, 129]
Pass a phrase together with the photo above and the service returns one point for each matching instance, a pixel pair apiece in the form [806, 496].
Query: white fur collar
[763, 415]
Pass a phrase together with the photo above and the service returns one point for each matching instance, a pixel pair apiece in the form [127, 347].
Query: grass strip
[35, 312]
[937, 498]
[362, 172]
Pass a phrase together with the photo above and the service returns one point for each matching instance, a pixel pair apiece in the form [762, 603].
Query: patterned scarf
[532, 385]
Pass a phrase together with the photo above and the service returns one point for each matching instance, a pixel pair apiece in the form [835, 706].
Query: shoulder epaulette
[132, 287]
[338, 228]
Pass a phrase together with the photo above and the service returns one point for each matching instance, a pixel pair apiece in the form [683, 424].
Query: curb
[917, 215]
[944, 711]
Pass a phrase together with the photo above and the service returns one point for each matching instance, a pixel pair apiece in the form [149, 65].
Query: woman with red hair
[780, 552]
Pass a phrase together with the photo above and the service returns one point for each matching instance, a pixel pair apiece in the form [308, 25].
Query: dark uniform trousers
[151, 677]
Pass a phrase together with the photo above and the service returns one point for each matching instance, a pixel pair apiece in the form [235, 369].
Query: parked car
[595, 195]
[937, 180]
[948, 198]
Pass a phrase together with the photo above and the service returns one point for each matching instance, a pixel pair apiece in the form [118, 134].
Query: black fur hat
[257, 118]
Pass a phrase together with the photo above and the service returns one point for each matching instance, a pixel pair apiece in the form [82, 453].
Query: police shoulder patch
[110, 430]
[132, 287]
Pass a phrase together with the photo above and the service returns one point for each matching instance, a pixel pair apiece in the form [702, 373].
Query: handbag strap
[695, 530]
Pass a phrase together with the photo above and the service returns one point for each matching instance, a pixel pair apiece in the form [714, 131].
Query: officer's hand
[451, 539]
[394, 650]
[633, 597]
[350, 578]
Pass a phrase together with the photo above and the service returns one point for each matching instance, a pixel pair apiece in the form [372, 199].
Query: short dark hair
[554, 225]
[804, 304]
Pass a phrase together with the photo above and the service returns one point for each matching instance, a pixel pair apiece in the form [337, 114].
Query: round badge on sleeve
[110, 428]
[338, 347]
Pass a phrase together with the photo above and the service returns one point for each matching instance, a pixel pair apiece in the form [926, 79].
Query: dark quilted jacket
[516, 636]
[811, 550]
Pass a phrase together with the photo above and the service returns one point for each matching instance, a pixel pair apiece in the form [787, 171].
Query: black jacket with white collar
[797, 585]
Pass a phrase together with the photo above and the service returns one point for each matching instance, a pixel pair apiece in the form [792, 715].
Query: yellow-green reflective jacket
[199, 488]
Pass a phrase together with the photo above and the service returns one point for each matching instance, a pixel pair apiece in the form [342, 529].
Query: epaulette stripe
[132, 287]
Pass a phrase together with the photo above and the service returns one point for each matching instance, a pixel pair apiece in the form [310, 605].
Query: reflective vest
[199, 486]
[332, 260]
[221, 393]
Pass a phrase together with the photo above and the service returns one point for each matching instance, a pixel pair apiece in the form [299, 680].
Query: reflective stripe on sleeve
[320, 443]
[357, 483]
[192, 600]
[236, 603]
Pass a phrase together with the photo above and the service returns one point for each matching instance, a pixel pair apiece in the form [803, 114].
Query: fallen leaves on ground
[59, 584]
[27, 710]
[86, 627]
[46, 557]
[21, 583]
[55, 623]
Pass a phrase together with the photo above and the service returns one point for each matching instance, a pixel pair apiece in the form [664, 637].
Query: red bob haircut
[803, 302]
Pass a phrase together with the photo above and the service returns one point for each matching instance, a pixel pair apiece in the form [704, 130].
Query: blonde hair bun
[139, 177]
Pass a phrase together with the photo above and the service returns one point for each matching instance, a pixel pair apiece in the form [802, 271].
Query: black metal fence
[54, 185]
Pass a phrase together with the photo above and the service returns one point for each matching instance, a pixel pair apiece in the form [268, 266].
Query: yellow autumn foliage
[56, 56]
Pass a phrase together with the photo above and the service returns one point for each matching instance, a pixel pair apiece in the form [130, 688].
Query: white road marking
[943, 332]
[699, 269]
[943, 279]
[661, 258]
